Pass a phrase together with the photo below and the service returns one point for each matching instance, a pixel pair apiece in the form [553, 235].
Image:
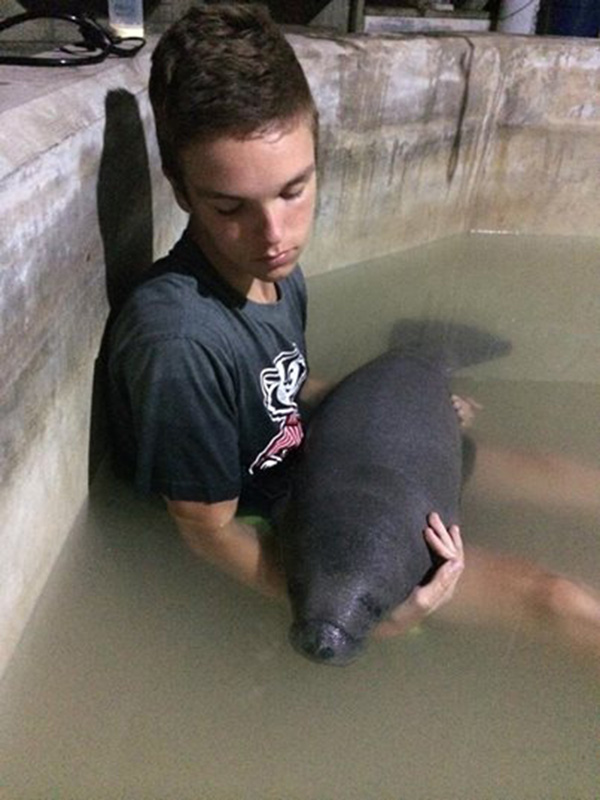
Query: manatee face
[333, 617]
[324, 642]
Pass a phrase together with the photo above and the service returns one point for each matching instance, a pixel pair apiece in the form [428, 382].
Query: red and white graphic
[280, 385]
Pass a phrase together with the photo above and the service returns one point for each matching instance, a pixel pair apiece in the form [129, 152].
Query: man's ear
[180, 194]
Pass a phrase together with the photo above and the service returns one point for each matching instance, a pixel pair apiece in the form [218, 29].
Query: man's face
[251, 203]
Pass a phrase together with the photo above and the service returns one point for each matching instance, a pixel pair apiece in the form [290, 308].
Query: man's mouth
[279, 259]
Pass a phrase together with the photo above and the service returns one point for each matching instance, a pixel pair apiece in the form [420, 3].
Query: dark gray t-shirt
[203, 384]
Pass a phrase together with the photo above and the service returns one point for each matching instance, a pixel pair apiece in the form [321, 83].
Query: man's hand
[446, 543]
[466, 408]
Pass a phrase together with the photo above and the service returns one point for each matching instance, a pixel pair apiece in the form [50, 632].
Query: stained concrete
[422, 137]
[77, 209]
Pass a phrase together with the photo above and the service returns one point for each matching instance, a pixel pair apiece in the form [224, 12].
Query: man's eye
[228, 211]
[291, 194]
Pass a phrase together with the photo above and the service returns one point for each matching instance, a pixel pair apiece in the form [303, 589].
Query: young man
[207, 358]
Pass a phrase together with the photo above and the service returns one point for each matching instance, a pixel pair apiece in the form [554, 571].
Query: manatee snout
[324, 642]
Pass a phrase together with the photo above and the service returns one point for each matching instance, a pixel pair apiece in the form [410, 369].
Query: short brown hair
[224, 69]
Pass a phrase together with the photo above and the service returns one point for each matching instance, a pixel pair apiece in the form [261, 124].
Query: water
[144, 674]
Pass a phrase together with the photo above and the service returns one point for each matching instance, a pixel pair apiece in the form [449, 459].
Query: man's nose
[270, 224]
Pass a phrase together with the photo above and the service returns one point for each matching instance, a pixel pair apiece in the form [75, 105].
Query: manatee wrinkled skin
[382, 452]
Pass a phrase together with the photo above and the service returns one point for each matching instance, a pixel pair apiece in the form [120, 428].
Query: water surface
[145, 674]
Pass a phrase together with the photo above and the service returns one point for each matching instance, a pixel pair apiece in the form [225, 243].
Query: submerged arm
[212, 531]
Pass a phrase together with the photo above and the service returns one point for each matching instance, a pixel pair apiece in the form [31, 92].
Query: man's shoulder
[168, 293]
[171, 300]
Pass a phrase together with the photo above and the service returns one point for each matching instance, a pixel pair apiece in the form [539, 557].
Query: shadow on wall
[124, 198]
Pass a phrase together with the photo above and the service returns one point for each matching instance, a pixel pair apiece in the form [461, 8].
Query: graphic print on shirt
[280, 385]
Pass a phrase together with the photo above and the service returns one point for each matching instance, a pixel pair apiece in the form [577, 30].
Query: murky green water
[146, 675]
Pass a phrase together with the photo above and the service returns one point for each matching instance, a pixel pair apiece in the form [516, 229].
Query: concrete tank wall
[82, 201]
[425, 137]
[421, 138]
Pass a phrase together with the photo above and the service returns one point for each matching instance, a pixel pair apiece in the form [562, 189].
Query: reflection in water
[144, 674]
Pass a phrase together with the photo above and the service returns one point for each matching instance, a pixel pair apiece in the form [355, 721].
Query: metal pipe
[356, 16]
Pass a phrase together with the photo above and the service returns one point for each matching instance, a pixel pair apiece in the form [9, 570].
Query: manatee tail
[452, 344]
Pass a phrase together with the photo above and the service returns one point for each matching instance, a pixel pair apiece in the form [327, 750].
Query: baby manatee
[382, 451]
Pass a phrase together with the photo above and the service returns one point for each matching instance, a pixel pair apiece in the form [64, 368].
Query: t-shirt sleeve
[184, 416]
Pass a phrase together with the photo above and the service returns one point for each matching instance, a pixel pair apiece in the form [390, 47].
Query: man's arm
[314, 391]
[212, 532]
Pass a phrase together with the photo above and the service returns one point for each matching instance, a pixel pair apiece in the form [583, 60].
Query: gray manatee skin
[382, 452]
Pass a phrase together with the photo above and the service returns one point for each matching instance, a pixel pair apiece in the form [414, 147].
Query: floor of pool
[145, 674]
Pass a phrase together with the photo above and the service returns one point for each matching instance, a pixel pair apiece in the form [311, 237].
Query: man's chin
[275, 274]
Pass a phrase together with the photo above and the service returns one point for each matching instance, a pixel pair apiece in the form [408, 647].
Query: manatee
[381, 452]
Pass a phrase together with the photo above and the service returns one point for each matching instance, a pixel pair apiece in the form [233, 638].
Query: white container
[126, 17]
[518, 16]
